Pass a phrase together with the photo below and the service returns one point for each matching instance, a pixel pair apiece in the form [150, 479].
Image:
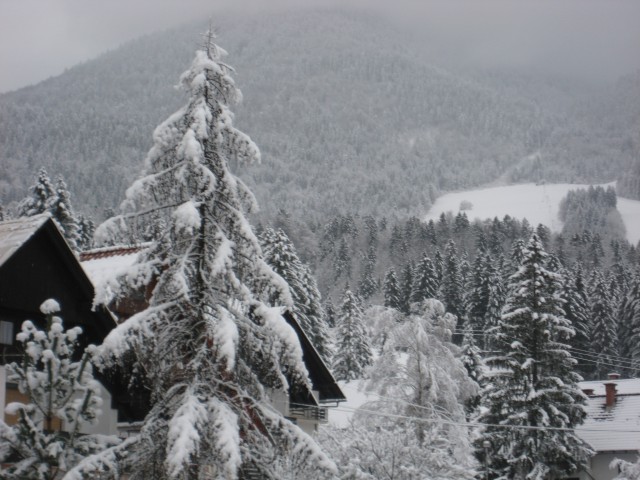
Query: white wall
[3, 389]
[600, 464]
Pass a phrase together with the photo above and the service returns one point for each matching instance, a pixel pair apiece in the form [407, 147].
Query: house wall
[3, 389]
[600, 464]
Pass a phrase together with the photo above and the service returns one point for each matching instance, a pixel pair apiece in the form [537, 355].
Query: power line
[361, 410]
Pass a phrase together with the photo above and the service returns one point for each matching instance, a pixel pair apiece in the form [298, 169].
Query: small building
[37, 264]
[612, 426]
[306, 408]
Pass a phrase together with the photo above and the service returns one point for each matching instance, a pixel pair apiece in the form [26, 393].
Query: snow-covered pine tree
[451, 286]
[604, 331]
[629, 317]
[41, 194]
[577, 312]
[495, 303]
[391, 290]
[342, 261]
[62, 212]
[44, 197]
[531, 385]
[353, 352]
[425, 284]
[280, 253]
[210, 345]
[86, 229]
[405, 287]
[48, 437]
[368, 285]
[471, 358]
[478, 291]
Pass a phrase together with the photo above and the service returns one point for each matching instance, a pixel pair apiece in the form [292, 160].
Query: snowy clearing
[536, 203]
[340, 416]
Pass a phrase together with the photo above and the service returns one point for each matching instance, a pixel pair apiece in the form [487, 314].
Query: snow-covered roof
[104, 264]
[616, 428]
[14, 233]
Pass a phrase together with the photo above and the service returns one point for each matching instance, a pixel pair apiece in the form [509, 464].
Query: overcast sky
[599, 38]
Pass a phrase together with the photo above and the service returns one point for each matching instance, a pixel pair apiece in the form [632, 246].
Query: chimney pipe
[610, 390]
[614, 376]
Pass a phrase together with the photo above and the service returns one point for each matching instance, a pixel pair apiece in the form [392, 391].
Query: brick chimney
[588, 392]
[610, 390]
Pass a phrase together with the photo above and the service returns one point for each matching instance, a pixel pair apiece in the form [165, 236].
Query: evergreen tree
[629, 317]
[41, 195]
[424, 285]
[604, 338]
[531, 382]
[451, 287]
[210, 345]
[86, 229]
[62, 213]
[330, 313]
[282, 257]
[353, 352]
[406, 284]
[49, 435]
[391, 291]
[495, 303]
[342, 261]
[478, 288]
[368, 286]
[474, 364]
[577, 312]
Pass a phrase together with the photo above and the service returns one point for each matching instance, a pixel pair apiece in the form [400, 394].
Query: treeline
[593, 209]
[467, 265]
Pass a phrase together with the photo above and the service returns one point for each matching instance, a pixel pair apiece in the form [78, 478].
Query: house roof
[14, 234]
[104, 264]
[20, 240]
[319, 374]
[616, 428]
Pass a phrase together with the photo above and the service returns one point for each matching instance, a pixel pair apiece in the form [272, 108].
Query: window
[6, 332]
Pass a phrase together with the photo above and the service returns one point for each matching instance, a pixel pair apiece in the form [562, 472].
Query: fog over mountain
[351, 116]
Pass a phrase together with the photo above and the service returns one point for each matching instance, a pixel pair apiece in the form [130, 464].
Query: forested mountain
[349, 116]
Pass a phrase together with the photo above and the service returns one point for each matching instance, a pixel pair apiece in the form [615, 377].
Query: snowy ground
[341, 415]
[536, 203]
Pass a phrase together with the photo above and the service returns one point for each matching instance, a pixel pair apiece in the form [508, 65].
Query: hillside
[348, 117]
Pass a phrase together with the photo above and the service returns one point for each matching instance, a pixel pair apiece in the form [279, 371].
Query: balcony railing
[308, 412]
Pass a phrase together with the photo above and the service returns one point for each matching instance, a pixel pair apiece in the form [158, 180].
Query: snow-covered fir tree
[451, 286]
[473, 362]
[62, 213]
[391, 290]
[280, 253]
[41, 195]
[532, 398]
[576, 309]
[62, 398]
[424, 284]
[353, 351]
[210, 345]
[45, 197]
[368, 285]
[604, 334]
[629, 316]
[86, 229]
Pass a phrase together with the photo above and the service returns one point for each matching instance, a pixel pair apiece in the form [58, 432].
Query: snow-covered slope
[536, 203]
